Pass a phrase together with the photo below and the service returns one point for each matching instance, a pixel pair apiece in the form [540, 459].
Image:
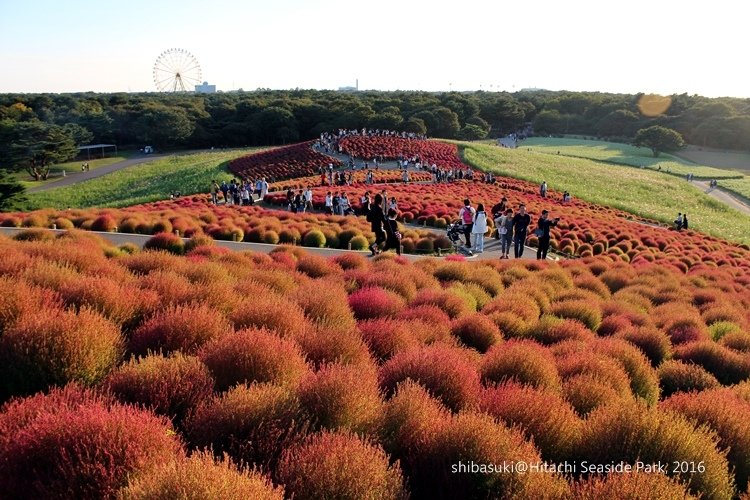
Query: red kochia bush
[79, 447]
[677, 376]
[630, 431]
[727, 366]
[374, 302]
[253, 356]
[386, 337]
[169, 386]
[179, 328]
[272, 312]
[449, 373]
[166, 241]
[342, 466]
[628, 486]
[330, 346]
[20, 299]
[253, 424]
[544, 416]
[727, 414]
[201, 476]
[342, 397]
[523, 361]
[53, 347]
[477, 331]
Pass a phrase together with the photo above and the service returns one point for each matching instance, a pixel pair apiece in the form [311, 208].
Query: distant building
[350, 89]
[205, 89]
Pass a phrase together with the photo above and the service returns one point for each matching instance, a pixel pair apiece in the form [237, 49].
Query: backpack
[467, 217]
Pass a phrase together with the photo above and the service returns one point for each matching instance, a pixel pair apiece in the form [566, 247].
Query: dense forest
[282, 116]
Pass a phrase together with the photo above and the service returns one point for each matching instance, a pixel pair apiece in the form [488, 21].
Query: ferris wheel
[176, 70]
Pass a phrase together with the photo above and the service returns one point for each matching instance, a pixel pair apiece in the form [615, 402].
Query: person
[543, 227]
[504, 225]
[393, 204]
[336, 204]
[264, 189]
[344, 203]
[392, 235]
[329, 203]
[479, 228]
[521, 223]
[235, 190]
[543, 189]
[684, 221]
[308, 198]
[678, 222]
[245, 195]
[290, 199]
[214, 193]
[299, 202]
[466, 214]
[497, 211]
[224, 190]
[377, 221]
[365, 204]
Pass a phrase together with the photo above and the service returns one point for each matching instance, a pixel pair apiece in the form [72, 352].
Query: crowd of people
[329, 141]
[237, 192]
[511, 229]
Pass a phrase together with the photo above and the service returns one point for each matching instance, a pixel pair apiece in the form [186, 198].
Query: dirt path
[723, 196]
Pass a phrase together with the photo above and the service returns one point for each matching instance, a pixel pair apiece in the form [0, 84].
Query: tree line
[266, 117]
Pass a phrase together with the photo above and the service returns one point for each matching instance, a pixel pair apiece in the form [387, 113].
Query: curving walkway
[723, 196]
[76, 177]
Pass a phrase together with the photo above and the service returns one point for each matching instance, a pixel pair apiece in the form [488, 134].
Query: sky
[654, 46]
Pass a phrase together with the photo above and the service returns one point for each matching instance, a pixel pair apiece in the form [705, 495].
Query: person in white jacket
[479, 228]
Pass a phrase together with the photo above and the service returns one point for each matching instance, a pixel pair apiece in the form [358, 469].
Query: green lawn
[152, 181]
[624, 154]
[69, 167]
[739, 186]
[639, 191]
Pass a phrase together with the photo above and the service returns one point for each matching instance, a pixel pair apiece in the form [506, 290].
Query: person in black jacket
[521, 223]
[684, 221]
[377, 221]
[543, 227]
[393, 236]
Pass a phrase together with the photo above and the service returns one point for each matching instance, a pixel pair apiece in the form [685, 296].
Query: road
[491, 246]
[723, 196]
[76, 177]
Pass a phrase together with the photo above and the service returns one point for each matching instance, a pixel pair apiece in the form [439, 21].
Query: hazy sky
[659, 46]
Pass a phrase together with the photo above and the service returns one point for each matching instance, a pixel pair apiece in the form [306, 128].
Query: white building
[205, 89]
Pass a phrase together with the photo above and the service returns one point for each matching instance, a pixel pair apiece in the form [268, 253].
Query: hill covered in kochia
[265, 117]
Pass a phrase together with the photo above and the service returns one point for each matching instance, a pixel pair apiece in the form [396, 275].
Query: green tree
[164, 126]
[80, 135]
[658, 139]
[34, 146]
[11, 193]
[472, 132]
[620, 122]
[415, 125]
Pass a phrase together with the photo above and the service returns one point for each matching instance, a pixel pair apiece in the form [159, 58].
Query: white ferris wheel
[176, 70]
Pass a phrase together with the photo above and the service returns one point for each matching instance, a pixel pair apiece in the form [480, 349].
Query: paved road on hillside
[76, 177]
[723, 196]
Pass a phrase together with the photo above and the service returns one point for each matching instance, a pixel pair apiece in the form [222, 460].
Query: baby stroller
[455, 233]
